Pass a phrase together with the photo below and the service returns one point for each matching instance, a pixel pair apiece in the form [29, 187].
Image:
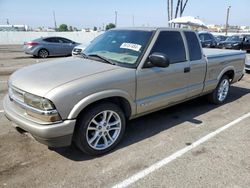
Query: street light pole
[54, 16]
[133, 20]
[228, 11]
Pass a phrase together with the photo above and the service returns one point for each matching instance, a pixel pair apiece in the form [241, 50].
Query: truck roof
[151, 29]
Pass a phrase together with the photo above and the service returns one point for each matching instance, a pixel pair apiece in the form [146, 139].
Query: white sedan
[78, 49]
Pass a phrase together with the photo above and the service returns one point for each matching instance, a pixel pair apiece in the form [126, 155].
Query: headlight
[42, 108]
[38, 102]
[235, 44]
[35, 106]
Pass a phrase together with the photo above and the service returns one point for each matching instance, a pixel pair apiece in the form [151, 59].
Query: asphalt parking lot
[164, 149]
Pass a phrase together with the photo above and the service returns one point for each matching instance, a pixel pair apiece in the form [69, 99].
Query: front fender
[99, 96]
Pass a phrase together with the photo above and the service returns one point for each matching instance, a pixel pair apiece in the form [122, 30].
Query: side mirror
[159, 60]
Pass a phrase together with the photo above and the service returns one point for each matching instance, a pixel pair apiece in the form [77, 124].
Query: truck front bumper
[54, 135]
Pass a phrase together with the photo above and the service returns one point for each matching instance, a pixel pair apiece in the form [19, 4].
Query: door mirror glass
[159, 60]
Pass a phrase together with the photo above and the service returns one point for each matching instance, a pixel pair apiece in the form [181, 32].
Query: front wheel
[219, 95]
[100, 129]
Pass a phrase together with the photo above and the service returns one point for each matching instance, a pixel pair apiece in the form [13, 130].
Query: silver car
[247, 65]
[49, 46]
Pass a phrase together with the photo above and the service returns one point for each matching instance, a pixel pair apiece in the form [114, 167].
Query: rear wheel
[100, 129]
[219, 95]
[43, 53]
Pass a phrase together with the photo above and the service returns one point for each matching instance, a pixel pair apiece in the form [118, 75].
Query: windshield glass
[234, 39]
[121, 46]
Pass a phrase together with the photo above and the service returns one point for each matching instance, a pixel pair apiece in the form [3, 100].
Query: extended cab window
[171, 44]
[194, 48]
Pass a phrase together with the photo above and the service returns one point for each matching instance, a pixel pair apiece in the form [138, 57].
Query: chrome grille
[247, 66]
[77, 50]
[16, 94]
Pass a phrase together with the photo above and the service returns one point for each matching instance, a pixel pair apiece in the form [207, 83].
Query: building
[14, 28]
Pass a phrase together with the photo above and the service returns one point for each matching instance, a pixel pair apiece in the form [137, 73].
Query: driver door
[159, 87]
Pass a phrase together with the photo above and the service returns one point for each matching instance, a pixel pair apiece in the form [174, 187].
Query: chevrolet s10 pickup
[123, 74]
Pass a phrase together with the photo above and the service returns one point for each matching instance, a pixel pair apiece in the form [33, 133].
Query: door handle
[186, 69]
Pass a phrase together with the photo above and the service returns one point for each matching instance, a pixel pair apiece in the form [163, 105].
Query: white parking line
[3, 81]
[165, 161]
[1, 111]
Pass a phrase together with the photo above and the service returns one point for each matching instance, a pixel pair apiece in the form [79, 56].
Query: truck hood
[39, 79]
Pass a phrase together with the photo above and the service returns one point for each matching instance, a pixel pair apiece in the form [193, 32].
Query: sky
[90, 13]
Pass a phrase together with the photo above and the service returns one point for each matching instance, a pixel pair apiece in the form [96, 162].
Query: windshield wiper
[84, 55]
[102, 58]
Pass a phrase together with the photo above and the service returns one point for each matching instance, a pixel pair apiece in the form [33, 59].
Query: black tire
[247, 71]
[82, 133]
[43, 53]
[213, 97]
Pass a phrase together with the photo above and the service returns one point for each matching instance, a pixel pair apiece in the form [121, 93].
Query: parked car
[49, 46]
[237, 42]
[78, 49]
[124, 74]
[220, 38]
[247, 64]
[207, 39]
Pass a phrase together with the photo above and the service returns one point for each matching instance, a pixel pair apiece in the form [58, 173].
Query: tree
[63, 27]
[110, 26]
[95, 28]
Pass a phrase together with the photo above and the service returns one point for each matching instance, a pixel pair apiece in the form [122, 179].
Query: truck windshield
[120, 46]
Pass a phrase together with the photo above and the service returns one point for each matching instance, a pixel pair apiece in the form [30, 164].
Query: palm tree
[180, 7]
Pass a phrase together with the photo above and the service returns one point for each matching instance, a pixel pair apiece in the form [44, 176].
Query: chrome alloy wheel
[103, 130]
[223, 90]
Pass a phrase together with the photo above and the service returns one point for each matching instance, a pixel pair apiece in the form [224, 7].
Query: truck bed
[214, 53]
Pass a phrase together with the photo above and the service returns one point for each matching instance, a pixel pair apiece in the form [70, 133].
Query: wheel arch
[42, 48]
[120, 98]
[229, 71]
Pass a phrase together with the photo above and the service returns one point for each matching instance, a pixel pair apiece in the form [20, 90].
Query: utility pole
[7, 21]
[171, 11]
[54, 16]
[133, 20]
[228, 11]
[115, 18]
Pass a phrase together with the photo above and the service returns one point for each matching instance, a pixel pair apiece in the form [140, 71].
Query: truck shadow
[154, 123]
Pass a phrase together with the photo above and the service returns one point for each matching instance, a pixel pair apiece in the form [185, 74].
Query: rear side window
[171, 44]
[194, 48]
[63, 40]
[52, 39]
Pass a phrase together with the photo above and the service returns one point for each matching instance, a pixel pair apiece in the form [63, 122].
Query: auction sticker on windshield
[131, 46]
